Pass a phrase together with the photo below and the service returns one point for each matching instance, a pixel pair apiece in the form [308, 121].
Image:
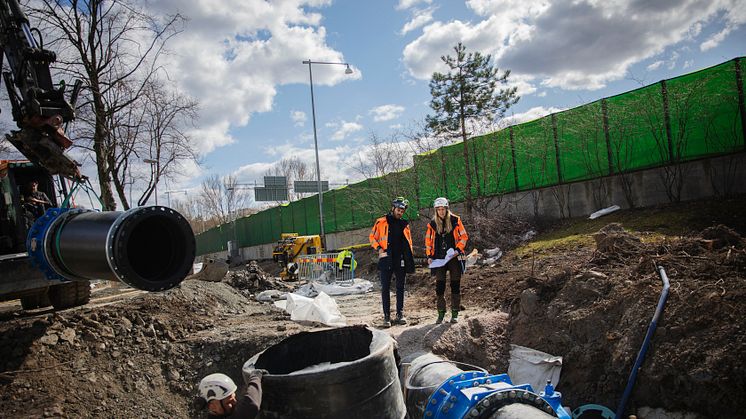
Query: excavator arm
[39, 108]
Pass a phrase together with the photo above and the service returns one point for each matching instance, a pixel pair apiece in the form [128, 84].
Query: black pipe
[645, 343]
[149, 248]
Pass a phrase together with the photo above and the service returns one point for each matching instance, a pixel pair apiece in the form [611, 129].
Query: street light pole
[152, 164]
[168, 195]
[348, 70]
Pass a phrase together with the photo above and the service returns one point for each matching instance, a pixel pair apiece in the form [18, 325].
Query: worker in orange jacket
[444, 232]
[392, 238]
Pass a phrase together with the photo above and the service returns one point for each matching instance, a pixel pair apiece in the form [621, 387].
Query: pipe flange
[499, 399]
[36, 243]
[440, 400]
[54, 226]
[127, 276]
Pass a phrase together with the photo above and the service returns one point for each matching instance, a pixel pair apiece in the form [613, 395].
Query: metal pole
[318, 166]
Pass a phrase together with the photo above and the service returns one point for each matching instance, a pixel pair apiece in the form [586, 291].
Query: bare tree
[104, 43]
[222, 198]
[293, 168]
[383, 162]
[167, 114]
[381, 157]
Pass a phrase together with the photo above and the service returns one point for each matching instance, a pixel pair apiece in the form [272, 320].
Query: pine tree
[468, 92]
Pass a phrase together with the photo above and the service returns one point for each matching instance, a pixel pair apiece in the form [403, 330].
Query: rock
[91, 377]
[125, 324]
[50, 339]
[282, 328]
[107, 332]
[173, 375]
[89, 336]
[91, 323]
[68, 335]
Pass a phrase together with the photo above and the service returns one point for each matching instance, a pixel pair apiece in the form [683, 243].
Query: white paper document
[437, 263]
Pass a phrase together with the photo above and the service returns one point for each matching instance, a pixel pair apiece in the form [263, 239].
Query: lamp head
[348, 70]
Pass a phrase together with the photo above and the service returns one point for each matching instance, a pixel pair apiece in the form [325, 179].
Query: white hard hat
[216, 387]
[440, 202]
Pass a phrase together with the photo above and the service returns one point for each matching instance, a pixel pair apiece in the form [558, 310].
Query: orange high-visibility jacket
[379, 234]
[459, 236]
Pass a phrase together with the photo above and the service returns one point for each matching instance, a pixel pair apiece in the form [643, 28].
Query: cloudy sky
[242, 60]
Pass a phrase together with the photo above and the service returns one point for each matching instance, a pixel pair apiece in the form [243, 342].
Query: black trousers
[454, 267]
[387, 272]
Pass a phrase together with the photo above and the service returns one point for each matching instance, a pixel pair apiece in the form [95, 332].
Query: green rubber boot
[441, 315]
[454, 316]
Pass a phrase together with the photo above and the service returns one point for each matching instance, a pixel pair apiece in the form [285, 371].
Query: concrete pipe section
[149, 248]
[348, 372]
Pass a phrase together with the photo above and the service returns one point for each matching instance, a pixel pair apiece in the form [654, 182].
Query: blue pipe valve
[474, 394]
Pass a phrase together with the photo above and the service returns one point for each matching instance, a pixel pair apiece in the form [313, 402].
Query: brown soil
[588, 298]
[592, 304]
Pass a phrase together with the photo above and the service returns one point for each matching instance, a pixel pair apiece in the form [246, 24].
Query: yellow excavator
[289, 247]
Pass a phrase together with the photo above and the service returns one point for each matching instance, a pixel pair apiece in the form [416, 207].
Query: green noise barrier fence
[685, 118]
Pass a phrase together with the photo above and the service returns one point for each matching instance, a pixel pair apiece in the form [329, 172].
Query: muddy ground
[585, 290]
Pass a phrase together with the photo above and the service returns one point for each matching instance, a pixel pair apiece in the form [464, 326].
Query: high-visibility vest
[346, 260]
[459, 236]
[379, 234]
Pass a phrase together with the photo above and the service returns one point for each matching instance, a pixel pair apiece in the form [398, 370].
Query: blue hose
[645, 344]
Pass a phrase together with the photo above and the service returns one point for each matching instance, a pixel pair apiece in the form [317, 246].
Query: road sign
[310, 186]
[275, 182]
[270, 194]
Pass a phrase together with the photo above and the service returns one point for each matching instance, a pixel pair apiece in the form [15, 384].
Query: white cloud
[406, 4]
[299, 118]
[688, 64]
[386, 112]
[733, 18]
[522, 82]
[343, 129]
[337, 163]
[233, 55]
[531, 114]
[419, 19]
[655, 65]
[672, 61]
[582, 44]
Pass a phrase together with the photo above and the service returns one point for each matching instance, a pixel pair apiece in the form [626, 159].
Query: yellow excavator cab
[292, 245]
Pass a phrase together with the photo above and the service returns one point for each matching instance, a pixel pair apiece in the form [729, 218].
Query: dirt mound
[252, 279]
[479, 340]
[722, 236]
[593, 307]
[613, 239]
[137, 355]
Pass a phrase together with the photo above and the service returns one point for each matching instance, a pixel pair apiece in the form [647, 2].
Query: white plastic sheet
[529, 366]
[312, 289]
[493, 252]
[322, 309]
[472, 259]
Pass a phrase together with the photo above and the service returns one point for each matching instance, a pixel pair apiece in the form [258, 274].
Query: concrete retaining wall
[712, 177]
